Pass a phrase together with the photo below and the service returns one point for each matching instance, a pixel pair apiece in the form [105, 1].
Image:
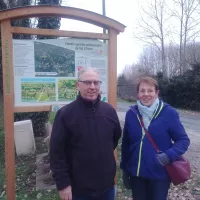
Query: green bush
[39, 119]
[182, 91]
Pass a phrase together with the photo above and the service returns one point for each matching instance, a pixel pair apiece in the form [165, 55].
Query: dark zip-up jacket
[83, 139]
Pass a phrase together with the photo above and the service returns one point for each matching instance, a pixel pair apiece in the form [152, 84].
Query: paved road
[191, 121]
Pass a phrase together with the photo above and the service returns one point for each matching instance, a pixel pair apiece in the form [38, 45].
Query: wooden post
[112, 68]
[112, 74]
[8, 92]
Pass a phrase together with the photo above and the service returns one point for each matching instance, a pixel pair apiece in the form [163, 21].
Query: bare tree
[127, 83]
[172, 59]
[131, 73]
[150, 60]
[192, 54]
[153, 28]
[186, 12]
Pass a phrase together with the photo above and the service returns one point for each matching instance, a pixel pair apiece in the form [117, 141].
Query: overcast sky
[125, 12]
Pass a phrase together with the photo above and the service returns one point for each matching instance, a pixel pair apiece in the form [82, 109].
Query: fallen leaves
[186, 191]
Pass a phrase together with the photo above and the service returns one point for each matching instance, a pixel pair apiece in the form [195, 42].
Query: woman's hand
[163, 159]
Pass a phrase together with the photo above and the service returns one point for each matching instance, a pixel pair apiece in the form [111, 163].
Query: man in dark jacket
[84, 136]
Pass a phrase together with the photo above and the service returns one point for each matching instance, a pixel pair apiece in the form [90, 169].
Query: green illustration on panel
[67, 90]
[38, 91]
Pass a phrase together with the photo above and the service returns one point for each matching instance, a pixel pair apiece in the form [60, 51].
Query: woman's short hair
[148, 80]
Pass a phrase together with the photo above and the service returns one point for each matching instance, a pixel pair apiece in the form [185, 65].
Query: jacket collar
[87, 102]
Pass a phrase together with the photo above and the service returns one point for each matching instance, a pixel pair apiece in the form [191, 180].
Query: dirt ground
[191, 189]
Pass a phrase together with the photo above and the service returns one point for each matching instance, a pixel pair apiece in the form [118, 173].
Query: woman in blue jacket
[143, 169]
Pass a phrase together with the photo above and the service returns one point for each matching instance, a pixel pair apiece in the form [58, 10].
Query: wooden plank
[8, 91]
[61, 11]
[59, 33]
[112, 74]
[18, 109]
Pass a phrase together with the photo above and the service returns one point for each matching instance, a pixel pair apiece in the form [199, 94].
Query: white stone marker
[24, 137]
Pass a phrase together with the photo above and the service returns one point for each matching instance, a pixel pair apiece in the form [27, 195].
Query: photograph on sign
[52, 60]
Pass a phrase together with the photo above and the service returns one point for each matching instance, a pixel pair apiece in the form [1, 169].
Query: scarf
[147, 112]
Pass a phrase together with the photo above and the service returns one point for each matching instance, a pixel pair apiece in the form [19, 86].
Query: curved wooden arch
[65, 12]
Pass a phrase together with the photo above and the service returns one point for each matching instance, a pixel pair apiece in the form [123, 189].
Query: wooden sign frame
[113, 27]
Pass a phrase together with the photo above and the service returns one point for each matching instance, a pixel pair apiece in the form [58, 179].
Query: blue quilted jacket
[138, 155]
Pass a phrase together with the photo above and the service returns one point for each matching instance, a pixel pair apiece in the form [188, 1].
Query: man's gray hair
[86, 69]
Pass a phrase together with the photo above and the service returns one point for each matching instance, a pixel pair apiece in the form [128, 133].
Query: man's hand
[126, 180]
[66, 194]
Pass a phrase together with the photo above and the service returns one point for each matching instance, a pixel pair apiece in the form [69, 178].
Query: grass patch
[1, 113]
[123, 193]
[25, 170]
[51, 117]
[1, 147]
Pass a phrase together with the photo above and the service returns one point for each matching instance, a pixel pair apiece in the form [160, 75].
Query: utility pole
[104, 14]
[104, 11]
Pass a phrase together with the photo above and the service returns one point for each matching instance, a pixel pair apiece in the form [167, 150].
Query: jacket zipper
[93, 109]
[143, 134]
[140, 153]
[95, 128]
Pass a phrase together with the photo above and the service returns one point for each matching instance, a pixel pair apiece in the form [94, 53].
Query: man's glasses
[88, 83]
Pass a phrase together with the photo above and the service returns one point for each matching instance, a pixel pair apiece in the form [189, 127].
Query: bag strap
[148, 135]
